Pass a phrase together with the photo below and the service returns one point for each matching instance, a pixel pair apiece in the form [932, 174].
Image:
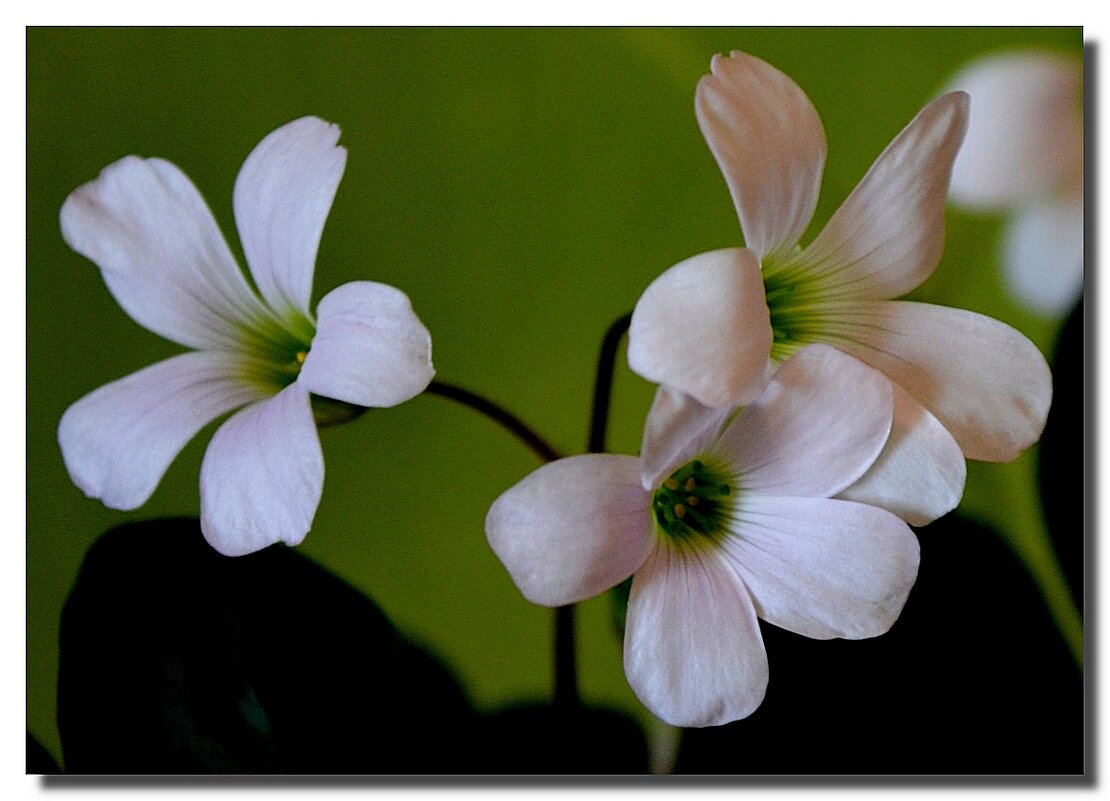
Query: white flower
[714, 326]
[145, 225]
[1024, 156]
[738, 523]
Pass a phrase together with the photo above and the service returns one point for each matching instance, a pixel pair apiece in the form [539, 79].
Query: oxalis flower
[713, 327]
[1024, 157]
[145, 225]
[738, 522]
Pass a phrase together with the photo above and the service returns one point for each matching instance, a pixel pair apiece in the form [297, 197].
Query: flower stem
[499, 415]
[566, 667]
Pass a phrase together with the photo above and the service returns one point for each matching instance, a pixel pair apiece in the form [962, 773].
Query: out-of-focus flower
[714, 326]
[147, 228]
[1024, 156]
[719, 525]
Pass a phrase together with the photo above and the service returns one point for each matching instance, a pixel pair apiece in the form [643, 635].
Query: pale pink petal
[118, 441]
[693, 653]
[703, 328]
[370, 348]
[887, 237]
[823, 567]
[1025, 138]
[821, 422]
[677, 429]
[262, 475]
[920, 474]
[1042, 255]
[282, 198]
[769, 143]
[164, 260]
[573, 528]
[985, 382]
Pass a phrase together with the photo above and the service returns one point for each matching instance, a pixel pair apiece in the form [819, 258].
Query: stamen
[679, 511]
[301, 355]
[670, 484]
[690, 484]
[693, 500]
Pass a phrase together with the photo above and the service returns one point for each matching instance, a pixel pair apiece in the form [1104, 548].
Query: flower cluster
[803, 418]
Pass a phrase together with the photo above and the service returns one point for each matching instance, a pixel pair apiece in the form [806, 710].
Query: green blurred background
[523, 186]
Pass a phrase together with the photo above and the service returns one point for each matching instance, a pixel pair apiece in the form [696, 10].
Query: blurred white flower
[714, 327]
[719, 524]
[1024, 156]
[145, 225]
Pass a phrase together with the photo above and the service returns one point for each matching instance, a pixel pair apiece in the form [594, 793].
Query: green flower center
[696, 500]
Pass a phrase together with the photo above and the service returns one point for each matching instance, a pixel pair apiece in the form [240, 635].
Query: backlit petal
[573, 528]
[677, 429]
[145, 225]
[887, 237]
[118, 441]
[693, 652]
[703, 328]
[770, 145]
[823, 567]
[370, 348]
[1025, 137]
[1042, 255]
[920, 474]
[282, 198]
[821, 422]
[262, 475]
[985, 382]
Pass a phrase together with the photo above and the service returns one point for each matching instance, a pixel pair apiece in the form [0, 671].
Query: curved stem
[499, 415]
[566, 668]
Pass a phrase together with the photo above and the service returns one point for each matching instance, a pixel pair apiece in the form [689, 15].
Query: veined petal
[887, 237]
[370, 348]
[262, 475]
[1042, 254]
[703, 328]
[985, 382]
[573, 528]
[282, 198]
[678, 428]
[769, 142]
[920, 473]
[823, 567]
[693, 653]
[1026, 133]
[819, 425]
[145, 225]
[118, 441]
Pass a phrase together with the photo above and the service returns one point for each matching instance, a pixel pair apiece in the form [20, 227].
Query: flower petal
[702, 327]
[1042, 255]
[920, 474]
[573, 528]
[677, 429]
[985, 382]
[823, 567]
[145, 225]
[1026, 132]
[770, 145]
[118, 440]
[262, 475]
[819, 425]
[693, 652]
[370, 348]
[282, 198]
[887, 237]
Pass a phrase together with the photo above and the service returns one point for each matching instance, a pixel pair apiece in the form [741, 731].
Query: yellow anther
[693, 500]
[670, 484]
[690, 484]
[679, 511]
[301, 354]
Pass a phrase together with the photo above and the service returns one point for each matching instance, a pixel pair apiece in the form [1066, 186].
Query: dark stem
[566, 667]
[499, 415]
